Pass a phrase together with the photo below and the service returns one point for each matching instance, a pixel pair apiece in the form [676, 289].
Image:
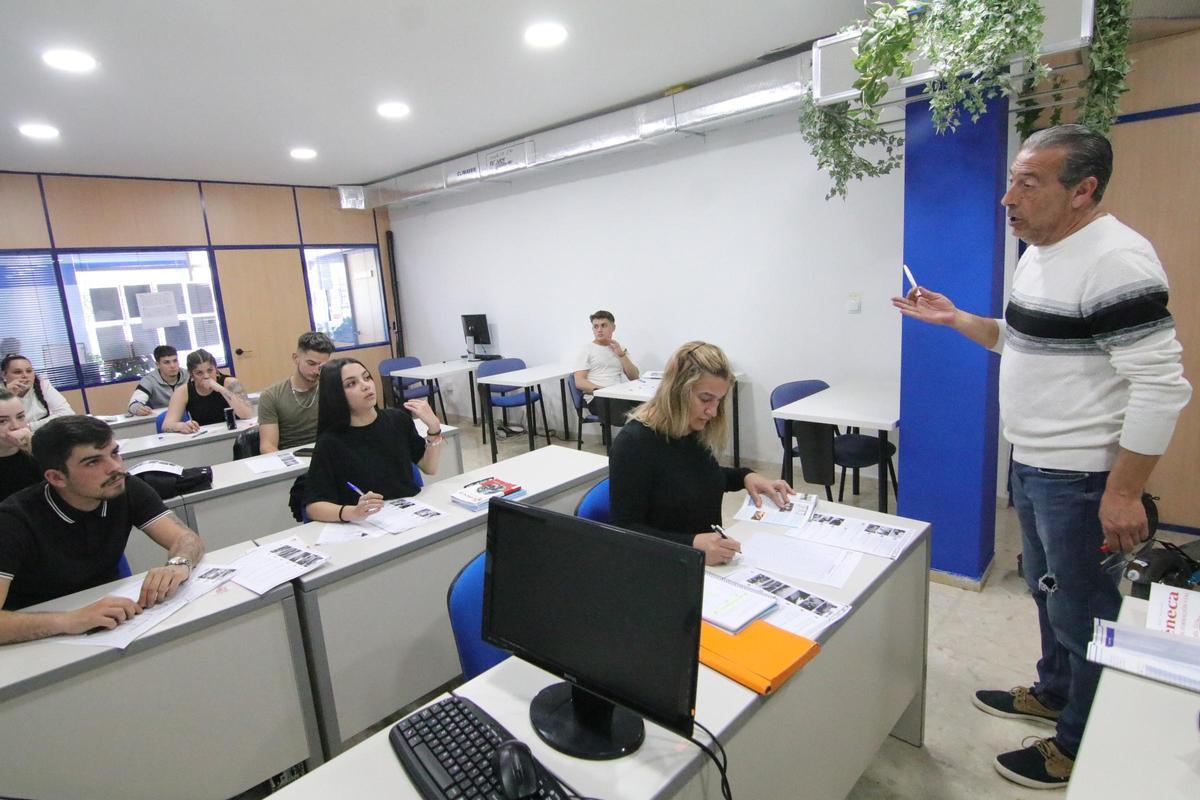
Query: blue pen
[355, 488]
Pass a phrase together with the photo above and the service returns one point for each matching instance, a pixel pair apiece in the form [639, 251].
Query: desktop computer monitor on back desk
[614, 613]
[475, 332]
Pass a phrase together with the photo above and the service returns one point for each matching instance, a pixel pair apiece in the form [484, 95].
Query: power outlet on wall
[854, 303]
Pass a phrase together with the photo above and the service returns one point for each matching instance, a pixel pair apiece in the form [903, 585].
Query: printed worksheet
[272, 462]
[338, 532]
[402, 514]
[793, 514]
[798, 559]
[265, 567]
[799, 611]
[873, 538]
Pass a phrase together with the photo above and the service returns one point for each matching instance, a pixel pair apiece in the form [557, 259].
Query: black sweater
[376, 458]
[670, 488]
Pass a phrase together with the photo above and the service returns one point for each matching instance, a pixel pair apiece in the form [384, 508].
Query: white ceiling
[222, 90]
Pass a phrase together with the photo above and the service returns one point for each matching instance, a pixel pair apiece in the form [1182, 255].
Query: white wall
[726, 238]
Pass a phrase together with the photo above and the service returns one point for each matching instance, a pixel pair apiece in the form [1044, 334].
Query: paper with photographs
[799, 611]
[793, 514]
[873, 538]
[264, 568]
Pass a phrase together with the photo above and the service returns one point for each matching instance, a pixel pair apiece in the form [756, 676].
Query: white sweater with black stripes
[1089, 359]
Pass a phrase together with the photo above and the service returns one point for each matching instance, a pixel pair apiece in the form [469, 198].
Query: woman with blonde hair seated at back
[663, 470]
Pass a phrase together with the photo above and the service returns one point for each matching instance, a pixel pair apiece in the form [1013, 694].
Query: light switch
[854, 303]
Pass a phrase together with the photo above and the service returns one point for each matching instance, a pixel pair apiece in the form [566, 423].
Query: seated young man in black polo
[67, 534]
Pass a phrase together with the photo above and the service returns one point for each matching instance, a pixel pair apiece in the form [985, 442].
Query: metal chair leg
[545, 424]
[842, 486]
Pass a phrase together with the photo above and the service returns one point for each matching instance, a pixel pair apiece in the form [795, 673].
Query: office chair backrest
[418, 478]
[497, 366]
[158, 421]
[123, 568]
[576, 395]
[595, 504]
[464, 602]
[245, 444]
[789, 393]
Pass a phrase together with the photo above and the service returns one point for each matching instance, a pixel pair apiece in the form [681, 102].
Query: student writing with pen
[364, 454]
[664, 478]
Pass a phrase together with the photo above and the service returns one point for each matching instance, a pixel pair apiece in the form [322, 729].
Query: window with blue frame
[346, 290]
[32, 322]
[107, 294]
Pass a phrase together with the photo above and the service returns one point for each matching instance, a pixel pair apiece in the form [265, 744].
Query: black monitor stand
[576, 722]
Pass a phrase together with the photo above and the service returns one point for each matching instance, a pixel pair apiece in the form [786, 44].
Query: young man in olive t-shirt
[287, 411]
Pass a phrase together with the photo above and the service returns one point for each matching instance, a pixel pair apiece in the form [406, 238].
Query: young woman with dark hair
[364, 454]
[17, 467]
[205, 396]
[41, 400]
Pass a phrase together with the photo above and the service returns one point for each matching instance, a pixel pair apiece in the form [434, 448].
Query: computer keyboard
[446, 749]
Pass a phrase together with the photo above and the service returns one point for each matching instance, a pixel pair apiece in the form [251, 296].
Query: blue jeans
[1061, 536]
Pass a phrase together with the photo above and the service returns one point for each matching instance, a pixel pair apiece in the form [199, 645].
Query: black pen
[717, 529]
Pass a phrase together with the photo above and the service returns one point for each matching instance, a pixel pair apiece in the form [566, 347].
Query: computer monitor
[616, 614]
[475, 331]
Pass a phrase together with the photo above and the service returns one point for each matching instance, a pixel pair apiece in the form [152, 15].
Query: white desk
[208, 704]
[812, 738]
[242, 504]
[1142, 738]
[854, 404]
[432, 374]
[642, 389]
[526, 379]
[215, 446]
[376, 627]
[126, 426]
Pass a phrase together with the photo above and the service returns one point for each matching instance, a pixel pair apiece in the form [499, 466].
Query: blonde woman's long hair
[668, 412]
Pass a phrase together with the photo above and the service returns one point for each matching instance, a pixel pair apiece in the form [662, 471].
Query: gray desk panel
[205, 709]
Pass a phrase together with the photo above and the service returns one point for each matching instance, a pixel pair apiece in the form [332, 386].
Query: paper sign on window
[158, 310]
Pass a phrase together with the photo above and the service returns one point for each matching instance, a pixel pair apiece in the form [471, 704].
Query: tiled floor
[985, 639]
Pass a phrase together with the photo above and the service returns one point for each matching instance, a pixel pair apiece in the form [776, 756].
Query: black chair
[821, 447]
[582, 416]
[246, 444]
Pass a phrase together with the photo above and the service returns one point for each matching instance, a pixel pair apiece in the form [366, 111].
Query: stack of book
[478, 494]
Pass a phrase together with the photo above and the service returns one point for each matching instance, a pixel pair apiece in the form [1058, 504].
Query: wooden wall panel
[371, 356]
[22, 219]
[122, 212]
[324, 221]
[1166, 73]
[1154, 194]
[110, 399]
[241, 214]
[75, 398]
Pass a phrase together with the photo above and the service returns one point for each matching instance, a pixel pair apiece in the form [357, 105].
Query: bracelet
[625, 353]
[340, 510]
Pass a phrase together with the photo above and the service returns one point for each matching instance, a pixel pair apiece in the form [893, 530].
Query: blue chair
[158, 421]
[418, 478]
[594, 505]
[821, 447]
[410, 388]
[582, 417]
[464, 602]
[123, 569]
[507, 397]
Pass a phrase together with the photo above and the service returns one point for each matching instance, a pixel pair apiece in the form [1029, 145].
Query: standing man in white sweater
[1090, 388]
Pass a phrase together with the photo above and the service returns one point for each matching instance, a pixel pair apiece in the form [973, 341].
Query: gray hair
[1089, 154]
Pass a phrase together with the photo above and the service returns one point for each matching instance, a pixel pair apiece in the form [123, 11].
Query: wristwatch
[180, 561]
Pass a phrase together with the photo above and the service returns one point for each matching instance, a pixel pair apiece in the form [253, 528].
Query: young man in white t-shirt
[604, 361]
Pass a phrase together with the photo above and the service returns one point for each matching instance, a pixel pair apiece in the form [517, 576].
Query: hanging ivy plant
[971, 44]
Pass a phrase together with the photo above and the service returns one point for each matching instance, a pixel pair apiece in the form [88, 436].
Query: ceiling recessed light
[303, 153]
[393, 110]
[38, 130]
[545, 34]
[69, 60]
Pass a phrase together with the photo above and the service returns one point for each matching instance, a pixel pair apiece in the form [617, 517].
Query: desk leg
[437, 391]
[607, 424]
[489, 426]
[883, 474]
[737, 437]
[530, 419]
[562, 387]
[788, 467]
[471, 380]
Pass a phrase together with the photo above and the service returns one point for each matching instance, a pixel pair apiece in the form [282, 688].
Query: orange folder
[760, 656]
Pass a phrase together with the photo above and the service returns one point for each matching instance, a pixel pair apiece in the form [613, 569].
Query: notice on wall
[157, 309]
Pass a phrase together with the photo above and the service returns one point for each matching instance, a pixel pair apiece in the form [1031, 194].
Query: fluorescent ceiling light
[37, 130]
[69, 60]
[545, 34]
[393, 110]
[303, 153]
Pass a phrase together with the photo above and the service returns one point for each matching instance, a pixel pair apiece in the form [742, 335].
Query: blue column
[954, 244]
